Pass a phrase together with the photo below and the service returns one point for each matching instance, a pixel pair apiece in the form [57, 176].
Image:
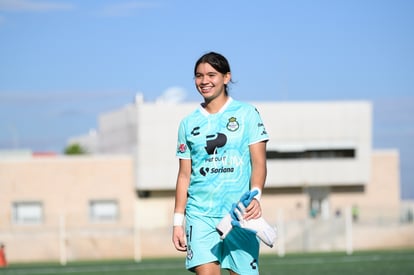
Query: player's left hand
[253, 210]
[249, 206]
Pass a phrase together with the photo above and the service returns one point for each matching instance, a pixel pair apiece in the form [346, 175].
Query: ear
[227, 78]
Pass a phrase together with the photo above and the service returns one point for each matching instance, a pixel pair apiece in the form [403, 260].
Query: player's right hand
[178, 238]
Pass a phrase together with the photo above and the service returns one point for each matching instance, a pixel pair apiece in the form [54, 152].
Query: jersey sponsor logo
[232, 125]
[216, 159]
[225, 161]
[215, 141]
[222, 164]
[205, 170]
[222, 170]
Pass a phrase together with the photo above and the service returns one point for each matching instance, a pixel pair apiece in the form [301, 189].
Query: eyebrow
[212, 72]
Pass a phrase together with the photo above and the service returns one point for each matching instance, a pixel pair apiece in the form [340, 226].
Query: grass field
[397, 262]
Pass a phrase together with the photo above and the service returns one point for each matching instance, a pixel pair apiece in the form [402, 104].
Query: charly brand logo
[253, 264]
[195, 131]
[232, 125]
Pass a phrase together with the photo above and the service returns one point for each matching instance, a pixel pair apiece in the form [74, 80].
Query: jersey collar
[222, 109]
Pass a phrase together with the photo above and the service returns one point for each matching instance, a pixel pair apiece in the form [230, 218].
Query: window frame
[27, 212]
[100, 210]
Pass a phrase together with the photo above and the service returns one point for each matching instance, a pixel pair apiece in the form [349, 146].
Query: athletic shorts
[239, 251]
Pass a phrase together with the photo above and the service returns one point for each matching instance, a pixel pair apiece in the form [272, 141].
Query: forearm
[180, 196]
[258, 177]
[183, 181]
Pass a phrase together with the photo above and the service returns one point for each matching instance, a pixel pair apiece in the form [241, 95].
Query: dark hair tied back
[216, 60]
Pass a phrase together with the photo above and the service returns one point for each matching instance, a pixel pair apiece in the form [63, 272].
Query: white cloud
[172, 95]
[125, 8]
[33, 6]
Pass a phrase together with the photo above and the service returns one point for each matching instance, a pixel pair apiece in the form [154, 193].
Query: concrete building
[117, 202]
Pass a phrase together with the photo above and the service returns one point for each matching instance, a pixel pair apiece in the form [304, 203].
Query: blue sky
[62, 63]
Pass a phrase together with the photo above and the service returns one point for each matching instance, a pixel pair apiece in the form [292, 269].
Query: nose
[203, 80]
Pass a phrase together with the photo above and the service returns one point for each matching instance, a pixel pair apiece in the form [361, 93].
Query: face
[209, 82]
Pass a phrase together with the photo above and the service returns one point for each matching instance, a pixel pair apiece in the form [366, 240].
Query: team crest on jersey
[232, 125]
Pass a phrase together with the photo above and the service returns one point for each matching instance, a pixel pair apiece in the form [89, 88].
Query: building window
[27, 212]
[103, 210]
[312, 154]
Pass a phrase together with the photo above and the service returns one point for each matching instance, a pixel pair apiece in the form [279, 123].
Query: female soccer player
[222, 154]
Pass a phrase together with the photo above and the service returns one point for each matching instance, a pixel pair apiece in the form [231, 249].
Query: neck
[215, 105]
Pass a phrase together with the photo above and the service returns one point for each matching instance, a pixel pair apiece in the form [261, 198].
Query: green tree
[75, 149]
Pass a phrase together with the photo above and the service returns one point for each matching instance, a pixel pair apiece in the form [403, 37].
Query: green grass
[369, 262]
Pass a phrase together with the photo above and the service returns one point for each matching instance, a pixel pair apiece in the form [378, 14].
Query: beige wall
[381, 194]
[378, 202]
[65, 185]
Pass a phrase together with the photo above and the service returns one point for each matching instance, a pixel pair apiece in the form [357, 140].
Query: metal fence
[69, 238]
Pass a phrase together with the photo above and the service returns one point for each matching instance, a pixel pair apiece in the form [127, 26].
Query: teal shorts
[239, 251]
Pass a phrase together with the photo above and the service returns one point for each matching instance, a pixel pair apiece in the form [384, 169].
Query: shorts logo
[253, 264]
[233, 125]
[189, 236]
[189, 253]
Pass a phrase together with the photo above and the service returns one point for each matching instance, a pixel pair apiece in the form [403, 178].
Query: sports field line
[111, 268]
[266, 261]
[342, 259]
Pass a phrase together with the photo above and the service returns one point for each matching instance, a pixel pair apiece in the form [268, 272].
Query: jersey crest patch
[232, 125]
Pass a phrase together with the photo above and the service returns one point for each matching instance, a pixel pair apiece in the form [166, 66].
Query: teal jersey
[218, 146]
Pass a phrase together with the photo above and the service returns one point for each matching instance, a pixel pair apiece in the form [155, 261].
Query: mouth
[206, 89]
